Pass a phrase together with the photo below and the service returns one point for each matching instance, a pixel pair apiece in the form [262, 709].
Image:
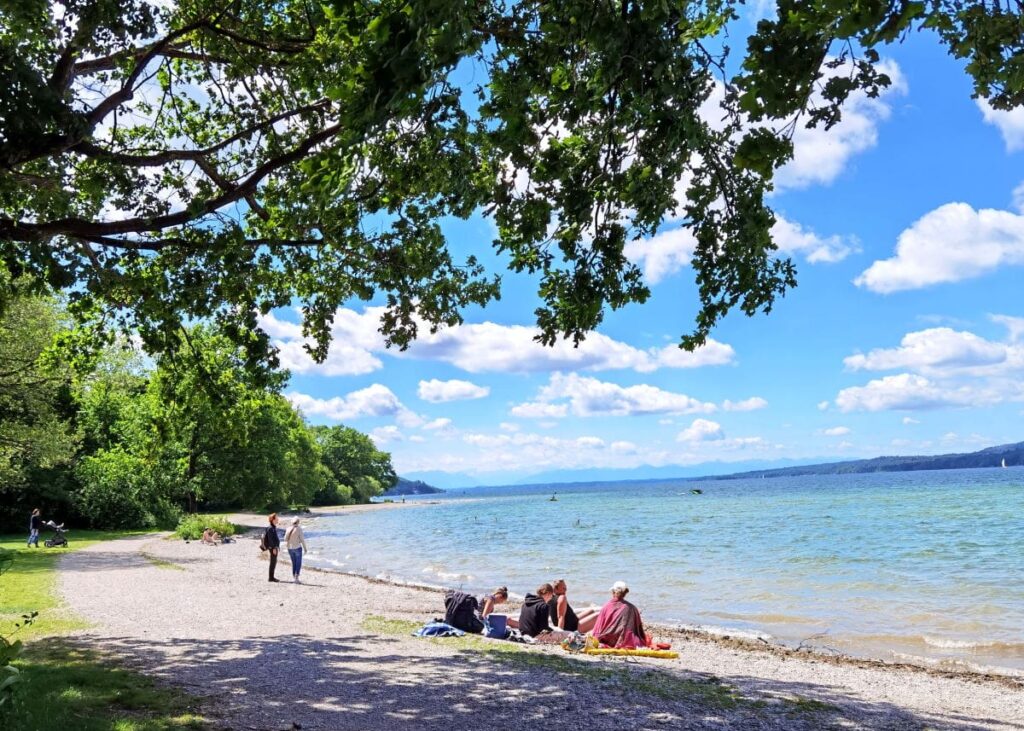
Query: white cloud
[751, 404]
[375, 400]
[477, 348]
[701, 430]
[930, 350]
[1013, 325]
[910, 392]
[836, 431]
[823, 406]
[952, 243]
[908, 420]
[436, 391]
[589, 442]
[534, 410]
[591, 397]
[508, 426]
[386, 434]
[662, 255]
[666, 422]
[437, 424]
[820, 155]
[792, 238]
[1010, 124]
[1018, 198]
[623, 447]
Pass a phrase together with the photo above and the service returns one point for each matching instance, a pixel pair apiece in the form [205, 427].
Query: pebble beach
[335, 653]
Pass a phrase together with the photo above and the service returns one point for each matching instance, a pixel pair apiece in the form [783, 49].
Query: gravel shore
[267, 656]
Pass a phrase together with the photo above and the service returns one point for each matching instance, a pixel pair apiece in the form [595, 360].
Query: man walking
[34, 524]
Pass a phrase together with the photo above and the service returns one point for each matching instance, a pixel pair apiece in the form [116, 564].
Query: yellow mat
[665, 654]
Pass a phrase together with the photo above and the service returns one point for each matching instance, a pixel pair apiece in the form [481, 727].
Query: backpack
[460, 611]
[263, 541]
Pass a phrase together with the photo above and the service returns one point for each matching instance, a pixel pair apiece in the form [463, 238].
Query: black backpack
[460, 611]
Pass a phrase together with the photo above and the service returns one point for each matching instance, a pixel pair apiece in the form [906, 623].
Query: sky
[904, 336]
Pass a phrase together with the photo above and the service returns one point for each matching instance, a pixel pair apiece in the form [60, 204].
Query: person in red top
[619, 624]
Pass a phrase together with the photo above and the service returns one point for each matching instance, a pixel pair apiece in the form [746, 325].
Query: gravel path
[280, 656]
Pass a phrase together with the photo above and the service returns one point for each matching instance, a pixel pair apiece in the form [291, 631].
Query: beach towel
[438, 629]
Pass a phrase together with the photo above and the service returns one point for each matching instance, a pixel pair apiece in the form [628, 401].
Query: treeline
[111, 439]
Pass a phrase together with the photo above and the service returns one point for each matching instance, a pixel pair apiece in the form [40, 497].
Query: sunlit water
[913, 565]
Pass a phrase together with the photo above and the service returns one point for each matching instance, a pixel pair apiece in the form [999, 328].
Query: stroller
[59, 537]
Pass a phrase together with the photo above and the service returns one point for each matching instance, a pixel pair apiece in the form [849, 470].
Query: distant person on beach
[619, 624]
[488, 602]
[562, 614]
[534, 616]
[273, 543]
[35, 522]
[211, 537]
[296, 542]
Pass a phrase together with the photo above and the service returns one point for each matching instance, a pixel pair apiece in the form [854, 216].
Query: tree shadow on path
[375, 683]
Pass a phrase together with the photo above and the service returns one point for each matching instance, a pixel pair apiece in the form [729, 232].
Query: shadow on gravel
[363, 682]
[94, 561]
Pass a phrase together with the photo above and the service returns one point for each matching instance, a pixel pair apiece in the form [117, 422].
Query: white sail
[1004, 462]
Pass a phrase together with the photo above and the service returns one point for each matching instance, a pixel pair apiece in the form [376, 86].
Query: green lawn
[64, 686]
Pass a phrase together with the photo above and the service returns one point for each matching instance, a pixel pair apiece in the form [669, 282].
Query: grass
[65, 687]
[71, 688]
[711, 692]
[161, 563]
[30, 583]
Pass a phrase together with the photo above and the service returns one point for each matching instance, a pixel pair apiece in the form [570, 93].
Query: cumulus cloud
[792, 238]
[508, 426]
[589, 442]
[907, 391]
[477, 348]
[952, 243]
[1018, 198]
[701, 430]
[386, 434]
[375, 400]
[585, 396]
[436, 391]
[751, 404]
[820, 155]
[836, 431]
[623, 447]
[437, 424]
[939, 348]
[1009, 123]
[1013, 325]
[909, 420]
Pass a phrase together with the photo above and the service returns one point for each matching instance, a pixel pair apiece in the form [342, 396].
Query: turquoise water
[913, 565]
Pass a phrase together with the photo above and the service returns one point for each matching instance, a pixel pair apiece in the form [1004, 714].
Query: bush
[191, 527]
[117, 491]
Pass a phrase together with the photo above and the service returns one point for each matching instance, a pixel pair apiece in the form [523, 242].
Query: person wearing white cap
[619, 623]
[296, 542]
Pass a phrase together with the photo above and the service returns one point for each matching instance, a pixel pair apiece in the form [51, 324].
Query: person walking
[273, 543]
[296, 542]
[34, 524]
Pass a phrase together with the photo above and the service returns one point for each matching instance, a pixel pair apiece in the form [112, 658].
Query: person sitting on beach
[534, 616]
[562, 614]
[619, 624]
[211, 537]
[488, 603]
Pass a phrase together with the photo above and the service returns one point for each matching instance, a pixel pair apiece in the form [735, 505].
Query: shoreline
[335, 653]
[736, 638]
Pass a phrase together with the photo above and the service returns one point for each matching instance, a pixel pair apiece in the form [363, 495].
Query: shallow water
[912, 565]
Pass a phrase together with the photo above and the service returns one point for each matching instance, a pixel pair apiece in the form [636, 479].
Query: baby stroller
[59, 537]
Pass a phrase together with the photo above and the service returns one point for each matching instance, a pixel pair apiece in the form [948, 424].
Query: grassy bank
[63, 684]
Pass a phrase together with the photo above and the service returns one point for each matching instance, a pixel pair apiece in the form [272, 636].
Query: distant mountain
[990, 457]
[411, 487]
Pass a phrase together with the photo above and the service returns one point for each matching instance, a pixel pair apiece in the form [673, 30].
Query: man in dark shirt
[34, 524]
[533, 617]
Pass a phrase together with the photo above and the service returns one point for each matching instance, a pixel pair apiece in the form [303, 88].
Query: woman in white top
[296, 543]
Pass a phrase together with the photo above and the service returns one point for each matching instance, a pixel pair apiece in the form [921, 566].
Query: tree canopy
[215, 159]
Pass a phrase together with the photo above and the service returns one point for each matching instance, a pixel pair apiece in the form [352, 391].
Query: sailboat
[1004, 463]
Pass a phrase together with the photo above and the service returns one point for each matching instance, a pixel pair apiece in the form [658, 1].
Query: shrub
[191, 527]
[117, 490]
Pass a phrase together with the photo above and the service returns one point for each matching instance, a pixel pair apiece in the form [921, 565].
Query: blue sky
[904, 336]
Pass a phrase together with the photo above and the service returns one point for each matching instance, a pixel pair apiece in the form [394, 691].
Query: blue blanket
[438, 629]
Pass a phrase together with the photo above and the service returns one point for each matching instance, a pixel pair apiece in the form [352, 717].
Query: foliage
[191, 527]
[118, 490]
[36, 435]
[354, 462]
[9, 652]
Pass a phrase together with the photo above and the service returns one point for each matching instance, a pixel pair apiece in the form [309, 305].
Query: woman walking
[273, 543]
[296, 542]
[34, 524]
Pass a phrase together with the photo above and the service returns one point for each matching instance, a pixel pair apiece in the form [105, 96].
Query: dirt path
[267, 656]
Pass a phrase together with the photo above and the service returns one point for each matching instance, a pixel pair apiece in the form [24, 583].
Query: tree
[357, 468]
[37, 438]
[217, 159]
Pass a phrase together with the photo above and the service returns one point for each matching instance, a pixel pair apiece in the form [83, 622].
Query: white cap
[295, 521]
[620, 586]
